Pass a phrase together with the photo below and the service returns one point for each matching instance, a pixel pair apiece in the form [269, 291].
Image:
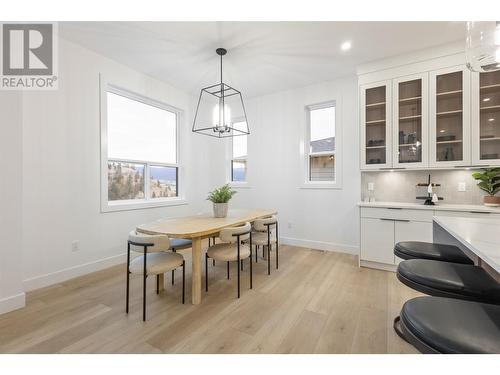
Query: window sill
[239, 185]
[321, 185]
[139, 205]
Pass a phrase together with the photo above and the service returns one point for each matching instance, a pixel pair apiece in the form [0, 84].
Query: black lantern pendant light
[220, 112]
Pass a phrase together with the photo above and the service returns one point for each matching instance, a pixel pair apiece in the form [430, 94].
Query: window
[321, 145]
[139, 151]
[239, 154]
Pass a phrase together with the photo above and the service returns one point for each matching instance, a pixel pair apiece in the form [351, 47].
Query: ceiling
[263, 57]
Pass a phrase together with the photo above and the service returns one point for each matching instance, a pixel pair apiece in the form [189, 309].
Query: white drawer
[467, 214]
[397, 214]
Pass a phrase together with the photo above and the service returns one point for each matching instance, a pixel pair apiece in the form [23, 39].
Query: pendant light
[482, 48]
[220, 111]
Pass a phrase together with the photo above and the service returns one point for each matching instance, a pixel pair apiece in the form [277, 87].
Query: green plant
[221, 195]
[489, 180]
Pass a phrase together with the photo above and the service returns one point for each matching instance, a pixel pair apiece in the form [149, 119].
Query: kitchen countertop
[479, 235]
[437, 207]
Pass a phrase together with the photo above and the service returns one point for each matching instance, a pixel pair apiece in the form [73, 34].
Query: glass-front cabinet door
[486, 118]
[376, 137]
[449, 117]
[410, 121]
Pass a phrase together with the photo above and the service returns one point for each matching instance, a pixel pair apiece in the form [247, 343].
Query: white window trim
[230, 159]
[135, 204]
[304, 147]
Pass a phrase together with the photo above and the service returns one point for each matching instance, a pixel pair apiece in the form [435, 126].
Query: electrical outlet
[461, 186]
[371, 186]
[75, 245]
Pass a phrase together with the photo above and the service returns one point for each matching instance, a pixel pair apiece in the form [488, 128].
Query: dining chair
[231, 249]
[265, 235]
[179, 244]
[156, 259]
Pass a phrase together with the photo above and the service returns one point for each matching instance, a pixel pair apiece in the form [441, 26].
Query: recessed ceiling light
[491, 119]
[486, 99]
[442, 131]
[346, 46]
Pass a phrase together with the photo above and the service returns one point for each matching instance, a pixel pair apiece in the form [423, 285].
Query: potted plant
[489, 181]
[219, 197]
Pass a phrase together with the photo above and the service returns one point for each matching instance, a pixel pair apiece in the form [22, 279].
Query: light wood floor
[317, 302]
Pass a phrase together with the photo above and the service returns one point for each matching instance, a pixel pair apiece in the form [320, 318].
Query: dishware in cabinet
[449, 125]
[410, 122]
[486, 118]
[376, 129]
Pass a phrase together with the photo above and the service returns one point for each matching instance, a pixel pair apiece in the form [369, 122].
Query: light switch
[461, 186]
[371, 186]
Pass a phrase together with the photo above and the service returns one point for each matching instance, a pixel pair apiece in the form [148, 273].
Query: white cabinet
[486, 118]
[449, 107]
[410, 122]
[411, 231]
[382, 228]
[376, 129]
[377, 236]
[429, 115]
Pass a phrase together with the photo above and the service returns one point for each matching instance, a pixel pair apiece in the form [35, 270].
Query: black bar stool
[450, 326]
[452, 280]
[432, 251]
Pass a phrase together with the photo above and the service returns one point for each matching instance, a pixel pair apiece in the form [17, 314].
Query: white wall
[61, 167]
[11, 288]
[320, 218]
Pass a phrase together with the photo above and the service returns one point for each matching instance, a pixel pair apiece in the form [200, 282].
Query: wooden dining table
[197, 228]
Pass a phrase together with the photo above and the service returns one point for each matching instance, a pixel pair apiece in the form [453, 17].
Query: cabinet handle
[479, 212]
[400, 220]
[394, 208]
[390, 168]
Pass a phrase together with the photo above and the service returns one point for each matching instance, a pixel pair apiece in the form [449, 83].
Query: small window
[239, 154]
[321, 165]
[140, 151]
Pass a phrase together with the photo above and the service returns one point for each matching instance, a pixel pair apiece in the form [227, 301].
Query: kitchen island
[478, 237]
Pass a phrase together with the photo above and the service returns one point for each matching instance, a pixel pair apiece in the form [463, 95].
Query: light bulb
[219, 116]
[346, 46]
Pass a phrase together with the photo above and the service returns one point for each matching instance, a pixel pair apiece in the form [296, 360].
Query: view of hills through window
[163, 182]
[125, 181]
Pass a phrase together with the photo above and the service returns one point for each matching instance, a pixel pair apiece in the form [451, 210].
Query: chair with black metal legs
[265, 235]
[179, 244]
[155, 260]
[231, 249]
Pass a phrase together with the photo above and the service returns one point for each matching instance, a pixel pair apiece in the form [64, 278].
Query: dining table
[199, 227]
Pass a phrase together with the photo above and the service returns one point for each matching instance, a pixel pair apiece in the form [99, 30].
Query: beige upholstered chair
[231, 249]
[265, 235]
[155, 260]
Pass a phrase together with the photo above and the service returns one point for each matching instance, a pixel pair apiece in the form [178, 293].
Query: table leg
[162, 281]
[196, 271]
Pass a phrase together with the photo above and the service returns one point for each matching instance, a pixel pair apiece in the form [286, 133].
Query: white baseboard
[72, 272]
[15, 302]
[378, 266]
[319, 245]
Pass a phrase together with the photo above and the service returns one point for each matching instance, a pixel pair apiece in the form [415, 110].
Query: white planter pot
[220, 209]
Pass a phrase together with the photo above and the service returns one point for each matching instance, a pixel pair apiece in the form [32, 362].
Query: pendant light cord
[223, 120]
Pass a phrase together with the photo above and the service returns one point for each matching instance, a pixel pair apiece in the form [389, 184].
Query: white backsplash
[400, 186]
